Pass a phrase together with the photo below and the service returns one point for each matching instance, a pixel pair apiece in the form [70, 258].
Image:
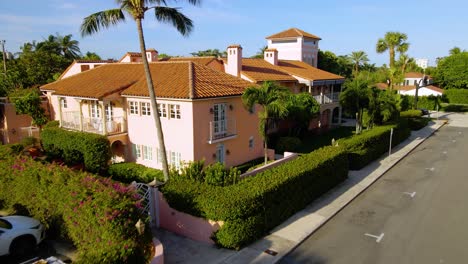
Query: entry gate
[149, 201]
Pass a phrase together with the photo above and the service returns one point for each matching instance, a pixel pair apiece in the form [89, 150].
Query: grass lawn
[313, 142]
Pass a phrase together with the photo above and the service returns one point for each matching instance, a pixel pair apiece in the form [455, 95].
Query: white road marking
[445, 152]
[379, 238]
[431, 169]
[459, 133]
[410, 194]
[454, 141]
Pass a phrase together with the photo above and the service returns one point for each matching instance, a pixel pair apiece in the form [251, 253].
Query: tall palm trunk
[265, 143]
[154, 105]
[392, 56]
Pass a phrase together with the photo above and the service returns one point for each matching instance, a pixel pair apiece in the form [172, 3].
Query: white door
[220, 120]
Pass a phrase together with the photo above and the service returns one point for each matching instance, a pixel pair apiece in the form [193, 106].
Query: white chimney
[271, 55]
[152, 55]
[234, 60]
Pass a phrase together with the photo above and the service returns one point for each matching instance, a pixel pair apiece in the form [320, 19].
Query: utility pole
[4, 58]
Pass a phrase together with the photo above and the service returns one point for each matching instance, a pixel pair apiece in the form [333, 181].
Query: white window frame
[162, 110]
[145, 108]
[63, 103]
[174, 111]
[94, 109]
[134, 109]
[137, 149]
[175, 159]
[147, 153]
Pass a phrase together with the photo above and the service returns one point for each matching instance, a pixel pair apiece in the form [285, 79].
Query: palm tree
[271, 97]
[209, 52]
[403, 61]
[393, 41]
[136, 9]
[260, 53]
[455, 50]
[358, 58]
[355, 98]
[68, 46]
[91, 56]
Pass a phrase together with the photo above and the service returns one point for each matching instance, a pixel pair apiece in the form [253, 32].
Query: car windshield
[5, 224]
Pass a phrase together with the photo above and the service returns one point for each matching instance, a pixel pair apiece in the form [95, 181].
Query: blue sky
[433, 26]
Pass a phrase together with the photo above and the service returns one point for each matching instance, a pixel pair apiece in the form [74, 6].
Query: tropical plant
[455, 50]
[272, 98]
[68, 46]
[451, 72]
[404, 61]
[136, 9]
[209, 52]
[358, 58]
[29, 102]
[393, 42]
[354, 99]
[91, 56]
[259, 54]
[301, 108]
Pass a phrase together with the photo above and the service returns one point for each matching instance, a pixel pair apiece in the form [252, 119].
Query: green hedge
[430, 102]
[97, 214]
[129, 172]
[287, 144]
[244, 167]
[370, 145]
[259, 203]
[457, 96]
[411, 114]
[418, 123]
[77, 147]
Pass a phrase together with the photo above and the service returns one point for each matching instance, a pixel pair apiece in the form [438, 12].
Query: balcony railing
[327, 98]
[115, 125]
[222, 130]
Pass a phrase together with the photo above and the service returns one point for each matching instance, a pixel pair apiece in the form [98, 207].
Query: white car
[19, 234]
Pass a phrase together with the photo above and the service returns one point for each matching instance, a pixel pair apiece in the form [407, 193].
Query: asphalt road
[416, 213]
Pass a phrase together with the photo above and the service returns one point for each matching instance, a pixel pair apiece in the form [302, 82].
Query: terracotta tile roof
[95, 61]
[306, 71]
[260, 70]
[171, 80]
[201, 60]
[134, 54]
[235, 46]
[415, 75]
[291, 33]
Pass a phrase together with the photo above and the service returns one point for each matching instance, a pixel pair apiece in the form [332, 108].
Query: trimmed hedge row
[77, 147]
[368, 146]
[411, 114]
[259, 203]
[98, 214]
[430, 102]
[129, 172]
[457, 96]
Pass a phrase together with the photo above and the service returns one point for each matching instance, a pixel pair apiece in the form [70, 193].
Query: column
[339, 115]
[124, 115]
[60, 110]
[80, 114]
[103, 111]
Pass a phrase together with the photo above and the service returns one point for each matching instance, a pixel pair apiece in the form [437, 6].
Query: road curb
[324, 221]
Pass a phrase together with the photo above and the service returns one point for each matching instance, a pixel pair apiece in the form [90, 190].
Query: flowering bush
[98, 214]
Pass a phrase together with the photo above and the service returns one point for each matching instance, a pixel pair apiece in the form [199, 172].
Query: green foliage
[210, 52]
[366, 147]
[259, 203]
[312, 142]
[455, 108]
[411, 113]
[301, 108]
[96, 213]
[77, 147]
[418, 123]
[129, 172]
[29, 102]
[430, 102]
[29, 142]
[452, 71]
[53, 123]
[288, 144]
[213, 174]
[194, 171]
[249, 164]
[340, 65]
[457, 96]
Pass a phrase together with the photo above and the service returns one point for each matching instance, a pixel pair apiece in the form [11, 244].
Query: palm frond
[172, 16]
[104, 19]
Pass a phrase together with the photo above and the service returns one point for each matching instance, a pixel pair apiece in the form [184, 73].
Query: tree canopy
[452, 71]
[209, 52]
[393, 42]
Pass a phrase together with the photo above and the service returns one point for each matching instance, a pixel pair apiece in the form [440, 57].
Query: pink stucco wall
[237, 147]
[184, 224]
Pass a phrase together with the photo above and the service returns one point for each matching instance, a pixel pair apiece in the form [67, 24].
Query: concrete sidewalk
[297, 228]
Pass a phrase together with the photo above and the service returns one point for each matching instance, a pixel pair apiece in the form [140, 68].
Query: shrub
[53, 123]
[259, 203]
[418, 123]
[411, 113]
[98, 214]
[194, 170]
[457, 96]
[369, 145]
[77, 147]
[455, 108]
[430, 102]
[129, 172]
[246, 166]
[288, 144]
